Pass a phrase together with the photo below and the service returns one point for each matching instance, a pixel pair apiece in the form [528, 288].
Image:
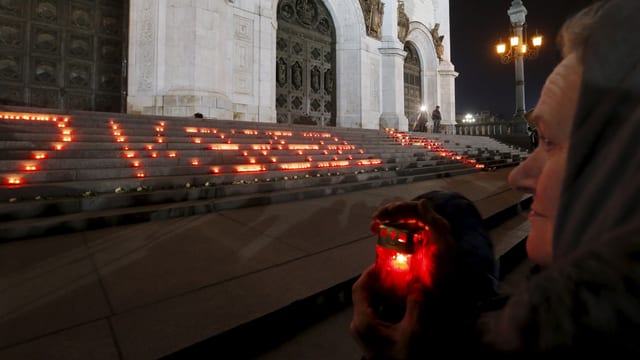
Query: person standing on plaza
[437, 117]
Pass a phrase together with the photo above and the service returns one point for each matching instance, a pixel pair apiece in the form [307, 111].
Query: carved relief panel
[305, 51]
[243, 55]
[62, 54]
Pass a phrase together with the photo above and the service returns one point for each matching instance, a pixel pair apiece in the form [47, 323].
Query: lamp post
[519, 50]
[469, 119]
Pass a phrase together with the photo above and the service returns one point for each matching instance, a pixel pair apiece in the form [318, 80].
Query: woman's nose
[524, 177]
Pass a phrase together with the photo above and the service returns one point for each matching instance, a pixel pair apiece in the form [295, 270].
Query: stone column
[392, 59]
[447, 95]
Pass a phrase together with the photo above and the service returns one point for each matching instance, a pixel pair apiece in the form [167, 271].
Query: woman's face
[543, 172]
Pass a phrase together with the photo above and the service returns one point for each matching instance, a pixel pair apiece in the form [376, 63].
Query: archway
[305, 64]
[412, 84]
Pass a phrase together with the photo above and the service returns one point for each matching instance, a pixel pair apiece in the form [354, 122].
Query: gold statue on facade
[373, 11]
[403, 22]
[438, 41]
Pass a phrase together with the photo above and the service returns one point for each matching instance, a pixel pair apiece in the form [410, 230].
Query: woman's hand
[404, 339]
[379, 339]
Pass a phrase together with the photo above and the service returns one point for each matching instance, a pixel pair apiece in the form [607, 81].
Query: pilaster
[392, 60]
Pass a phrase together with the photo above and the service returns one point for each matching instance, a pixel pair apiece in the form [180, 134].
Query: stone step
[33, 218]
[508, 228]
[171, 158]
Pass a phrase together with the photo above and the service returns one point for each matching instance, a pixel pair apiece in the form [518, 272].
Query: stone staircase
[84, 170]
[203, 284]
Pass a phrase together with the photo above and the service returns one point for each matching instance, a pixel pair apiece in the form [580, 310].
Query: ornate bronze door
[65, 54]
[412, 84]
[305, 58]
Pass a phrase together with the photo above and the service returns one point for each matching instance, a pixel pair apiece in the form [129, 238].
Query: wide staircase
[264, 226]
[71, 172]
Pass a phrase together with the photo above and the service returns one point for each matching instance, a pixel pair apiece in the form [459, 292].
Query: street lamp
[519, 49]
[469, 119]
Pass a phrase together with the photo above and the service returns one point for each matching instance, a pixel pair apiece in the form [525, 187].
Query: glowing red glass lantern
[404, 254]
[13, 180]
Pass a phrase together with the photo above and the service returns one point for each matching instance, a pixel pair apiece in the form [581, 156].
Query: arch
[413, 94]
[350, 32]
[343, 14]
[420, 37]
[305, 70]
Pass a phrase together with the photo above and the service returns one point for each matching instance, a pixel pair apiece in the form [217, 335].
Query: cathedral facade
[347, 63]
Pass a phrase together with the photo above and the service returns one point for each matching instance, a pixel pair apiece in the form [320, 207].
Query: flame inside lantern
[404, 253]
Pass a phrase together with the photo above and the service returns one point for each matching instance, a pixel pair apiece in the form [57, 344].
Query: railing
[492, 128]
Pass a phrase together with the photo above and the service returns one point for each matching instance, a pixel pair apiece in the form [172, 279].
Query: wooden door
[64, 54]
[305, 62]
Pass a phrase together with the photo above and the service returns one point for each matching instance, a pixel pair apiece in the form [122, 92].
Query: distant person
[436, 116]
[584, 221]
[532, 130]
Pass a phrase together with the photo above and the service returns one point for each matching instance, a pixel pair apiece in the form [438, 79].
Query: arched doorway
[63, 54]
[305, 64]
[412, 83]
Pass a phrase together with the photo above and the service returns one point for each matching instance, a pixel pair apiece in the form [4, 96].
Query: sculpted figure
[438, 41]
[373, 11]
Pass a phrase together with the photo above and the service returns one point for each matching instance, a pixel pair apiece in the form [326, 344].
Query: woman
[585, 217]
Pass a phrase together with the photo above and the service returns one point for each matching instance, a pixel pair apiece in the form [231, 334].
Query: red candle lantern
[404, 255]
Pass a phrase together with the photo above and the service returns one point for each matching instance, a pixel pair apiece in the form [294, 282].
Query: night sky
[486, 84]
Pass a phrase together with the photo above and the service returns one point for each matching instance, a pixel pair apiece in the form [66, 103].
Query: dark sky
[484, 83]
